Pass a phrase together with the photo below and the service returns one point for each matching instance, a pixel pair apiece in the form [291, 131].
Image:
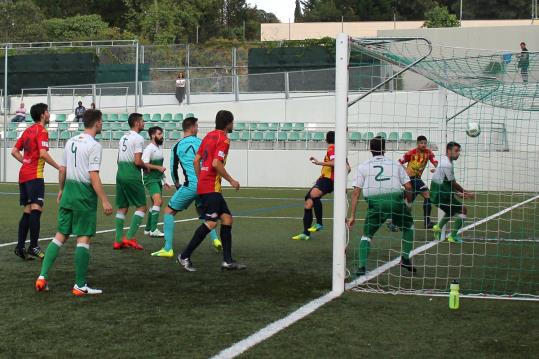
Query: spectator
[92, 106]
[20, 114]
[180, 88]
[79, 112]
[524, 62]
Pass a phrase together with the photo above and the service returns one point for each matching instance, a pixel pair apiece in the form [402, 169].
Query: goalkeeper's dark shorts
[451, 206]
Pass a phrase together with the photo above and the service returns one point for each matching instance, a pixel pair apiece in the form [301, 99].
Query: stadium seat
[263, 126]
[115, 126]
[273, 126]
[65, 135]
[99, 136]
[281, 136]
[53, 135]
[257, 136]
[240, 126]
[234, 136]
[174, 135]
[319, 136]
[13, 125]
[286, 126]
[145, 135]
[116, 135]
[393, 136]
[106, 126]
[355, 136]
[269, 136]
[105, 117]
[382, 134]
[11, 135]
[245, 136]
[252, 126]
[113, 117]
[305, 136]
[293, 136]
[368, 136]
[190, 114]
[156, 117]
[28, 118]
[63, 126]
[178, 117]
[61, 117]
[407, 137]
[170, 126]
[123, 117]
[105, 135]
[146, 117]
[81, 127]
[298, 126]
[124, 126]
[167, 117]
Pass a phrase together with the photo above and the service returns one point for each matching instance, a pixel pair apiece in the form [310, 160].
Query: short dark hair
[37, 110]
[421, 138]
[153, 130]
[377, 146]
[452, 144]
[90, 117]
[223, 119]
[330, 137]
[188, 123]
[134, 117]
[523, 43]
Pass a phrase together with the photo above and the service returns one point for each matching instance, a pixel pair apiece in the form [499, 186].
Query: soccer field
[150, 308]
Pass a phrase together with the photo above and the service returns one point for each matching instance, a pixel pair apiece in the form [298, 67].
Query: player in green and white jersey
[443, 189]
[80, 187]
[154, 178]
[381, 180]
[129, 186]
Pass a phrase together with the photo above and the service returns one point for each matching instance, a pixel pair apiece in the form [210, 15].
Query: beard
[159, 142]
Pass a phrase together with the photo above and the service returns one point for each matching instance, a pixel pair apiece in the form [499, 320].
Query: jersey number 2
[378, 177]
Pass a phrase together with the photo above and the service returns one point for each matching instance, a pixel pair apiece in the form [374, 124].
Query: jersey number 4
[74, 151]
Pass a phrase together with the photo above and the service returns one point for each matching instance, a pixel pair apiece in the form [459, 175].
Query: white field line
[275, 327]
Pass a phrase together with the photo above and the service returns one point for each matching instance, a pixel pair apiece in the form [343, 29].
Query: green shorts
[449, 205]
[77, 223]
[130, 193]
[154, 188]
[380, 211]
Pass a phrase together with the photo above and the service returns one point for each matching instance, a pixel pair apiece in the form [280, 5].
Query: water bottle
[454, 295]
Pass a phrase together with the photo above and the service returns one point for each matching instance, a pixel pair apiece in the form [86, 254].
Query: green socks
[154, 217]
[458, 224]
[82, 258]
[364, 248]
[120, 219]
[443, 221]
[407, 242]
[137, 218]
[50, 256]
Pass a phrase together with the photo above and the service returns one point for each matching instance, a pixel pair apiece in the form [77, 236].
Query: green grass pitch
[152, 309]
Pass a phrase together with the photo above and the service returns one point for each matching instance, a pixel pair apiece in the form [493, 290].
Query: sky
[284, 9]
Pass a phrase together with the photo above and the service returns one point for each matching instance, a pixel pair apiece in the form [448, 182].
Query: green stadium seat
[234, 136]
[293, 136]
[81, 126]
[106, 135]
[106, 126]
[286, 126]
[113, 117]
[146, 117]
[252, 126]
[178, 117]
[13, 126]
[115, 126]
[170, 126]
[393, 136]
[240, 126]
[174, 135]
[368, 136]
[105, 117]
[319, 136]
[156, 117]
[11, 135]
[274, 126]
[145, 135]
[257, 136]
[63, 126]
[167, 117]
[298, 126]
[245, 136]
[53, 135]
[116, 135]
[123, 117]
[124, 126]
[262, 126]
[281, 136]
[407, 137]
[305, 136]
[28, 118]
[355, 136]
[65, 135]
[382, 134]
[190, 114]
[61, 117]
[99, 137]
[269, 136]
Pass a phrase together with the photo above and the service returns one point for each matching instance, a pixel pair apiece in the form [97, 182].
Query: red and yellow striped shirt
[34, 139]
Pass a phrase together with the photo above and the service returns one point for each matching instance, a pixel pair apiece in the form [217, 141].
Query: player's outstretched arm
[221, 171]
[44, 154]
[196, 164]
[353, 207]
[98, 188]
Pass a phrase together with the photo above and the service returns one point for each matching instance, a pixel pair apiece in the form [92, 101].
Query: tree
[84, 27]
[21, 22]
[439, 16]
[298, 16]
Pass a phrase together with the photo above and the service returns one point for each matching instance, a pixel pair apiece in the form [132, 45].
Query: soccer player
[381, 179]
[323, 186]
[209, 166]
[129, 185]
[154, 178]
[443, 189]
[80, 187]
[34, 143]
[183, 155]
[417, 159]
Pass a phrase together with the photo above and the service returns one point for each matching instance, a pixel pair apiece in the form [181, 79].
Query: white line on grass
[275, 327]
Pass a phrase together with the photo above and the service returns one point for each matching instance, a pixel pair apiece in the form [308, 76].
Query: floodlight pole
[339, 204]
[4, 160]
[136, 76]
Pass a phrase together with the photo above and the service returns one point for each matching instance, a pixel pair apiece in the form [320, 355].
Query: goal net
[436, 91]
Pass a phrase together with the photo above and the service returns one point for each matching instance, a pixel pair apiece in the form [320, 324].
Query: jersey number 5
[379, 177]
[74, 151]
[124, 146]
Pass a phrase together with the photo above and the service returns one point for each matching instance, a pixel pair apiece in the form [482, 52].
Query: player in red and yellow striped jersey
[34, 144]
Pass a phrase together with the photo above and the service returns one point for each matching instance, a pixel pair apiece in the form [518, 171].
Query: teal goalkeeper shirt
[182, 157]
